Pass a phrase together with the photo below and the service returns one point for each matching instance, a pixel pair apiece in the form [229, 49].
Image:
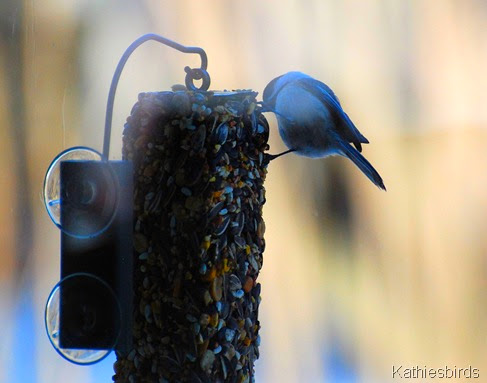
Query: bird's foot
[271, 157]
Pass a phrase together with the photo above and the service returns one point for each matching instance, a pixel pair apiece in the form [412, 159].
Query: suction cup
[83, 318]
[81, 192]
[52, 181]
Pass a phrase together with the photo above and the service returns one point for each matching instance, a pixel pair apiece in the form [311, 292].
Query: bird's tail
[362, 163]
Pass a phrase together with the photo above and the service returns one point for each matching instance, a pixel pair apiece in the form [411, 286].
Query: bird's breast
[304, 122]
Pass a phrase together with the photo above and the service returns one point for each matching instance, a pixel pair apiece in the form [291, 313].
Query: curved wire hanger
[191, 75]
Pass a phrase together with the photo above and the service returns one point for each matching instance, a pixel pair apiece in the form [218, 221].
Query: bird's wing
[328, 98]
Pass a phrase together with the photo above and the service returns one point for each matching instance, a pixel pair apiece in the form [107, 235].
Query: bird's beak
[263, 107]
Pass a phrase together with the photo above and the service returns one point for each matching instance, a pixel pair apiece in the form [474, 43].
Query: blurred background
[355, 280]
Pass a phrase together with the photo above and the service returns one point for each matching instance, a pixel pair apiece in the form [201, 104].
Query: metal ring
[197, 74]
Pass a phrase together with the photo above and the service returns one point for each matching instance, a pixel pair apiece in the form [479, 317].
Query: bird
[312, 122]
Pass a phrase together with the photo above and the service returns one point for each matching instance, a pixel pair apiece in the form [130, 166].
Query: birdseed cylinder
[199, 169]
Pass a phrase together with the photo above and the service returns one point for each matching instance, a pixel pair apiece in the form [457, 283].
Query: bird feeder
[160, 252]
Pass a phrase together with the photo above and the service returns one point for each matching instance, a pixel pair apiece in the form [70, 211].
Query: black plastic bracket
[90, 318]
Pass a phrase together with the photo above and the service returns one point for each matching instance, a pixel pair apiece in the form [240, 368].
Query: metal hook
[191, 75]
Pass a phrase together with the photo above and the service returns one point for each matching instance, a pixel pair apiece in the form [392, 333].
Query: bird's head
[275, 86]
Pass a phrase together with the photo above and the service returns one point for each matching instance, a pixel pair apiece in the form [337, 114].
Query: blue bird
[312, 122]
